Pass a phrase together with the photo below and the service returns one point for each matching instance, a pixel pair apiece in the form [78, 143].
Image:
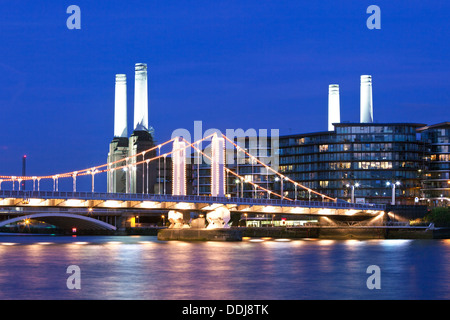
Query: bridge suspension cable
[108, 167]
[242, 178]
[87, 171]
[276, 172]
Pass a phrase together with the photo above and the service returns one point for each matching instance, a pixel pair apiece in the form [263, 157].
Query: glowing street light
[353, 186]
[393, 185]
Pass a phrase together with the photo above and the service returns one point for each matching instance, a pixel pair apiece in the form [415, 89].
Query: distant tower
[120, 107]
[141, 180]
[118, 148]
[334, 113]
[366, 99]
[140, 98]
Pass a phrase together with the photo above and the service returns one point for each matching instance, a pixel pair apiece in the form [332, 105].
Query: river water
[141, 267]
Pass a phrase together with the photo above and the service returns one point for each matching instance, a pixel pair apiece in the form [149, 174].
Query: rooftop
[441, 125]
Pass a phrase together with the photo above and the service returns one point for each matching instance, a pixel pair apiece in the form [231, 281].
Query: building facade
[435, 180]
[365, 157]
[360, 162]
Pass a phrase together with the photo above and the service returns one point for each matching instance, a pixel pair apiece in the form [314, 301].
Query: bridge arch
[64, 221]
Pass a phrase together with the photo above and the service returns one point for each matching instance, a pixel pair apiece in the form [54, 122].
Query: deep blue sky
[232, 64]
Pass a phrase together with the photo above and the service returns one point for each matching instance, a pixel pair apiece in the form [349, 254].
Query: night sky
[231, 64]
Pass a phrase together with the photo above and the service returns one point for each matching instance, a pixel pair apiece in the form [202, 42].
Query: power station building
[362, 162]
[131, 178]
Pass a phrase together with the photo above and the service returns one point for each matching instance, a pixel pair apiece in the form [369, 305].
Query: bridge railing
[186, 198]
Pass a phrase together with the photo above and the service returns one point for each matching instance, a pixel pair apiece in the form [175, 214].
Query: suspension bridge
[108, 210]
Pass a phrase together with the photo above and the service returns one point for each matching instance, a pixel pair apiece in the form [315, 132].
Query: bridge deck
[172, 202]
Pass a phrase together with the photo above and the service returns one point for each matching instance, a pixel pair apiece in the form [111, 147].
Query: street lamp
[393, 185]
[353, 186]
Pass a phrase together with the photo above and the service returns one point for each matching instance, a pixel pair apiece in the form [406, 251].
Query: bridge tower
[218, 166]
[179, 167]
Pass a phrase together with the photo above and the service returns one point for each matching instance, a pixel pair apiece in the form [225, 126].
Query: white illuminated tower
[334, 112]
[217, 166]
[118, 148]
[140, 98]
[366, 99]
[141, 178]
[219, 217]
[120, 106]
[179, 168]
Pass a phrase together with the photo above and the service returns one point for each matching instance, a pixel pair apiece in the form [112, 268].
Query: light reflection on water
[34, 267]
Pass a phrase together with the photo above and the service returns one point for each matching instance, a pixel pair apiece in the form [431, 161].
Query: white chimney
[120, 106]
[366, 99]
[334, 109]
[140, 98]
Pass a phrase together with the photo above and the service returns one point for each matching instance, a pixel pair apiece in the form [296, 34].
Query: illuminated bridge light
[325, 211]
[33, 202]
[213, 206]
[268, 209]
[149, 204]
[74, 203]
[112, 204]
[183, 206]
[351, 212]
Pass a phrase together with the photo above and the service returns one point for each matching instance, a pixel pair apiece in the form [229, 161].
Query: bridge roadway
[173, 202]
[109, 210]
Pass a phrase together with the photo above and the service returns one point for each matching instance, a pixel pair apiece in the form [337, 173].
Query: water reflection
[145, 268]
